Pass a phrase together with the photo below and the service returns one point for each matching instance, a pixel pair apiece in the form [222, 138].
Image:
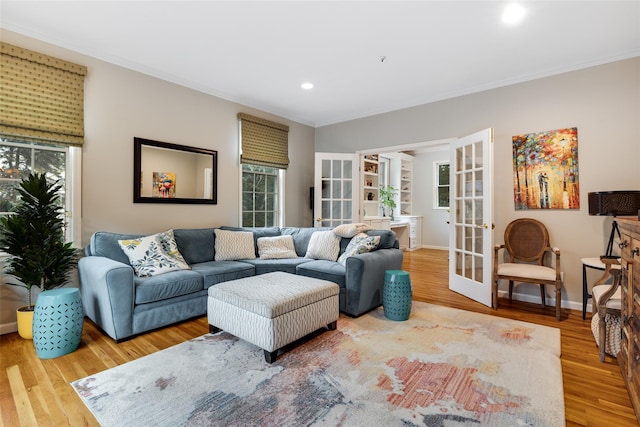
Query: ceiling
[258, 53]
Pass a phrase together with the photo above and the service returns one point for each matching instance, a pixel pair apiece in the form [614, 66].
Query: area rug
[442, 367]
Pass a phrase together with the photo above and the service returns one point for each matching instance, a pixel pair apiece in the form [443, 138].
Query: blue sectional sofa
[123, 304]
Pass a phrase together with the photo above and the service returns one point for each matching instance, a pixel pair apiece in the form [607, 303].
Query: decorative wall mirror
[172, 173]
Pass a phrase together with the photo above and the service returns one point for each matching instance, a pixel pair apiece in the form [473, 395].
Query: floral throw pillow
[360, 244]
[147, 257]
[169, 245]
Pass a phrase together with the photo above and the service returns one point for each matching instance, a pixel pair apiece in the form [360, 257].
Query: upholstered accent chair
[526, 241]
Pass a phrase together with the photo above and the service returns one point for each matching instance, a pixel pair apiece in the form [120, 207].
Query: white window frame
[280, 215]
[437, 185]
[73, 188]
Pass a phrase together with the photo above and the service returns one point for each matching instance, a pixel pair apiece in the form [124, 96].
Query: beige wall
[603, 102]
[121, 104]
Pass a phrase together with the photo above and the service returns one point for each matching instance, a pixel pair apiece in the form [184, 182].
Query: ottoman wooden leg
[333, 325]
[213, 329]
[270, 356]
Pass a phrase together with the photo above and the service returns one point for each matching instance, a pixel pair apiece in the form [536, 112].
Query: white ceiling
[257, 53]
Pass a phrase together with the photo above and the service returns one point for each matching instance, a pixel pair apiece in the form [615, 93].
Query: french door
[471, 217]
[336, 189]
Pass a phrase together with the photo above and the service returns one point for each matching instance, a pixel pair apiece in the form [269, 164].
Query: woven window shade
[41, 97]
[264, 142]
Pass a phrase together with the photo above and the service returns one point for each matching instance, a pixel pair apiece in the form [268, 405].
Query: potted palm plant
[33, 238]
[388, 199]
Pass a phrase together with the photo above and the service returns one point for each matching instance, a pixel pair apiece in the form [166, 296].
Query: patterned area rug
[442, 367]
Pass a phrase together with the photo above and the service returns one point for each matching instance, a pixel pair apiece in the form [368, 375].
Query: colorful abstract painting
[545, 170]
[164, 185]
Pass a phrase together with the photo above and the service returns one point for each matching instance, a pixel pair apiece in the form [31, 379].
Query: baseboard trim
[433, 247]
[7, 328]
[550, 301]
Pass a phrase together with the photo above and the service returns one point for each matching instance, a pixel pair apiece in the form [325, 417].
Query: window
[264, 156]
[441, 185]
[260, 196]
[41, 126]
[18, 159]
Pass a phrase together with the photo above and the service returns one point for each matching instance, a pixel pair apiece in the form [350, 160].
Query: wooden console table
[629, 356]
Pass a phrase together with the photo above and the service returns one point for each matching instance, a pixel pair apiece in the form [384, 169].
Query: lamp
[614, 203]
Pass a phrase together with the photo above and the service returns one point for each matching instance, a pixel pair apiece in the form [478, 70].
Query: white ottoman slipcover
[274, 309]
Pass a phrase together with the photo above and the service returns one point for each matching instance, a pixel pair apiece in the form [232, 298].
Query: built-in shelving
[370, 168]
[401, 177]
[406, 185]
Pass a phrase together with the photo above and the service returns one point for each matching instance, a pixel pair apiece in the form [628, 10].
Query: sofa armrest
[108, 294]
[365, 278]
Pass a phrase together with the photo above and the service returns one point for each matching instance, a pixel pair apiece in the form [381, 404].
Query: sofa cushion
[215, 272]
[165, 286]
[276, 247]
[105, 244]
[323, 245]
[234, 245]
[301, 236]
[258, 232]
[148, 258]
[288, 265]
[360, 244]
[195, 244]
[325, 270]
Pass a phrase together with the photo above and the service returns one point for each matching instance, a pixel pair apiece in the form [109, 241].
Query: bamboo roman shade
[264, 142]
[41, 97]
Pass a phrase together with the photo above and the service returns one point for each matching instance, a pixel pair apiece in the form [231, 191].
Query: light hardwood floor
[37, 392]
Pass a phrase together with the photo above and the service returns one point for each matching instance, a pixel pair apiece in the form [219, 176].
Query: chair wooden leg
[543, 296]
[494, 294]
[510, 290]
[558, 302]
[602, 336]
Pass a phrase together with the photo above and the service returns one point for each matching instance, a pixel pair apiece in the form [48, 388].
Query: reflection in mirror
[171, 173]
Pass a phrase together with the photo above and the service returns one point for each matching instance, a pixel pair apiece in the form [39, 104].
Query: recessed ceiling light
[513, 14]
[307, 85]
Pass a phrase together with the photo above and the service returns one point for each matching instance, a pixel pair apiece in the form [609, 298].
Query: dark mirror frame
[138, 143]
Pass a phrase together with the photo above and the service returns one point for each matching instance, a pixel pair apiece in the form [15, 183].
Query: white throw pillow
[234, 245]
[350, 230]
[277, 247]
[323, 245]
[147, 257]
[360, 244]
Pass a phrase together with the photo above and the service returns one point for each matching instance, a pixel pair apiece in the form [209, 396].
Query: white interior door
[471, 217]
[336, 192]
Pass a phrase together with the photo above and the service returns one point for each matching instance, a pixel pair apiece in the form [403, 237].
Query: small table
[396, 295]
[58, 320]
[596, 264]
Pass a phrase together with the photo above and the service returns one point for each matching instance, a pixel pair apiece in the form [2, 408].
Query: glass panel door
[471, 236]
[335, 194]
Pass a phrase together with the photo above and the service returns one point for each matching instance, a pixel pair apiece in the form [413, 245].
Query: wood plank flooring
[35, 392]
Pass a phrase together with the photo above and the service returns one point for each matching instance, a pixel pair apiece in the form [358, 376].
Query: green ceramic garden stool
[57, 322]
[396, 294]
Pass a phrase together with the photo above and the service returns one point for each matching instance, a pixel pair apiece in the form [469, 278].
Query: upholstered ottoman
[272, 310]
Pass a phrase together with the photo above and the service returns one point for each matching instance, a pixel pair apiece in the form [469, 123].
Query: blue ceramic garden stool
[57, 322]
[396, 294]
